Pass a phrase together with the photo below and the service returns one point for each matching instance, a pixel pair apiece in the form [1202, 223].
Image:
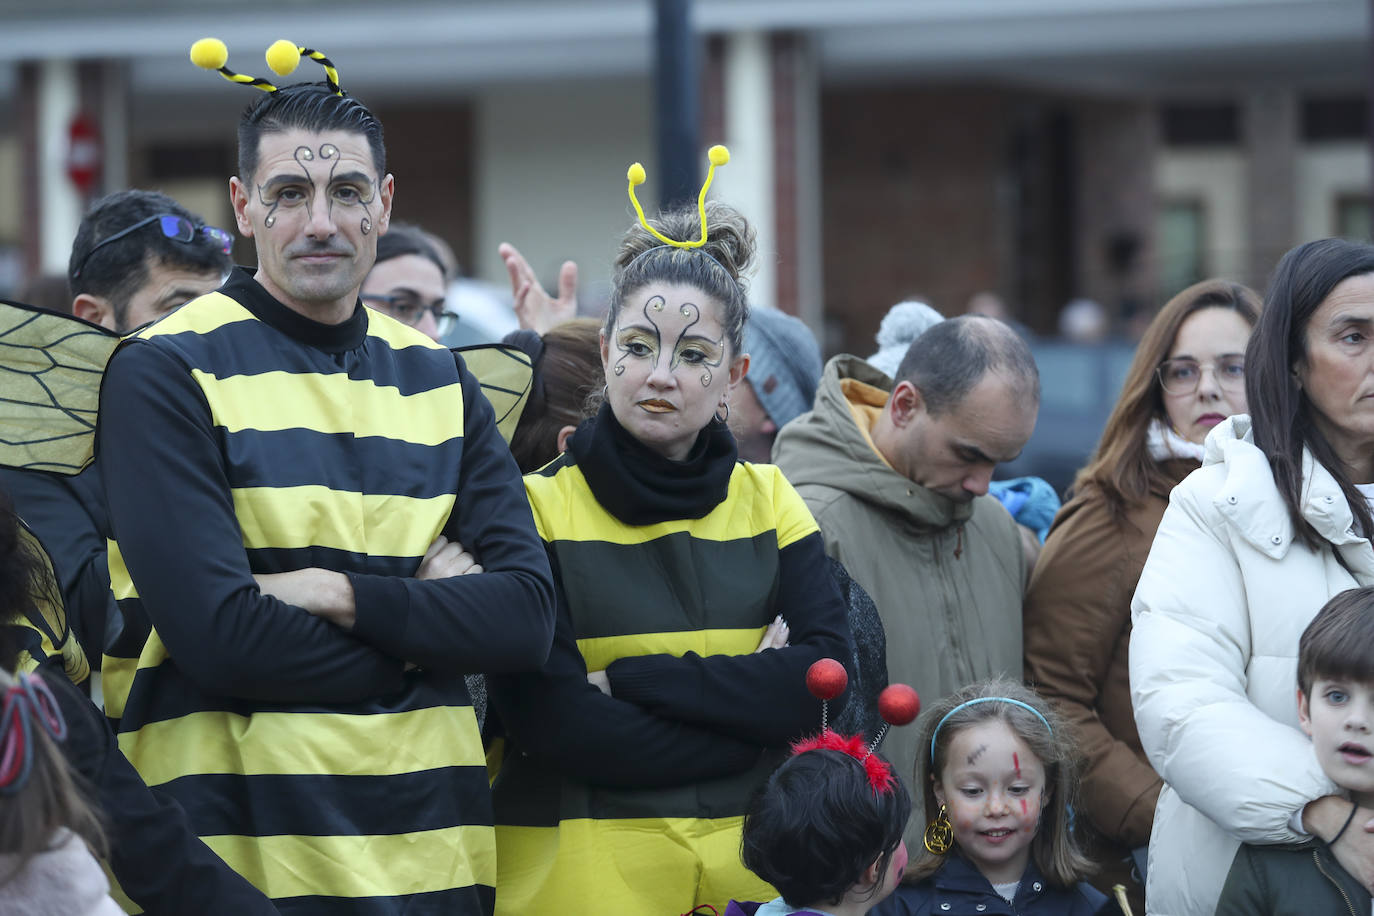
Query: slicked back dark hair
[816, 825]
[1339, 642]
[949, 359]
[1279, 408]
[306, 106]
[402, 239]
[117, 271]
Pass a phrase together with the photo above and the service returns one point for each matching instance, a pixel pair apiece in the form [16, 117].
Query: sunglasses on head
[177, 228]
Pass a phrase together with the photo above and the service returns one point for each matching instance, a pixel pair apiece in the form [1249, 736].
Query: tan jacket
[1078, 632]
[947, 577]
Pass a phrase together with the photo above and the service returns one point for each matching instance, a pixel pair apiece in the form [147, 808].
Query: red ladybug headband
[898, 704]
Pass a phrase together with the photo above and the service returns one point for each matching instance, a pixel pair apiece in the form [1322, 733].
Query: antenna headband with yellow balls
[718, 155]
[283, 57]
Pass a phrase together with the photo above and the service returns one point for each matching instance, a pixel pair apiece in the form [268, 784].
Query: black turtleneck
[641, 487]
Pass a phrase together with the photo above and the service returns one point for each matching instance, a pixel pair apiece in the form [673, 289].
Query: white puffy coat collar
[1250, 502]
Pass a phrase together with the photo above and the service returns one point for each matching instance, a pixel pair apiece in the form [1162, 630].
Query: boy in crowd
[1336, 710]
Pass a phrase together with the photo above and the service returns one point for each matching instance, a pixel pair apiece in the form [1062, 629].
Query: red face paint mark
[1016, 762]
[1024, 810]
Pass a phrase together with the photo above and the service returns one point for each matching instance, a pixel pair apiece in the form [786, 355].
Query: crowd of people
[368, 644]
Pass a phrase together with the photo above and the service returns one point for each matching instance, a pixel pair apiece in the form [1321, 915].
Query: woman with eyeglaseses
[1276, 522]
[1188, 376]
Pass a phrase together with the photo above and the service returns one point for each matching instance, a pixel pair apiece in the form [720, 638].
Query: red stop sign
[83, 153]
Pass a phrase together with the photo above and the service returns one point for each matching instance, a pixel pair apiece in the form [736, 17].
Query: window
[1352, 217]
[1182, 244]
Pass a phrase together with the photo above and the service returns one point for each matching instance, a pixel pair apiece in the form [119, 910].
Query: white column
[57, 196]
[114, 125]
[747, 182]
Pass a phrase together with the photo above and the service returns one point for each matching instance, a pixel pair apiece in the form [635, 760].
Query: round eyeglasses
[1182, 376]
[176, 228]
[408, 309]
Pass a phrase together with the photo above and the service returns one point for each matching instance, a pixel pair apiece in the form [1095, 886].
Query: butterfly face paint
[663, 364]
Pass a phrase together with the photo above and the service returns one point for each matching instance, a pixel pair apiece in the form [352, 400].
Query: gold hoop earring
[939, 837]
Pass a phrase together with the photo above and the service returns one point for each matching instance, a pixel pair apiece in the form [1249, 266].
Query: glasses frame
[1222, 381]
[445, 319]
[185, 231]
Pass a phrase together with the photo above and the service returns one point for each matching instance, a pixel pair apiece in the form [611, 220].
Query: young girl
[47, 829]
[999, 771]
[826, 831]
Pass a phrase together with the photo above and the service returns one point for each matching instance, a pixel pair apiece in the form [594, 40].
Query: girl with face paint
[998, 773]
[693, 595]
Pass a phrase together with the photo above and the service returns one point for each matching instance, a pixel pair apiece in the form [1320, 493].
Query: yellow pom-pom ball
[636, 174]
[283, 57]
[718, 155]
[209, 53]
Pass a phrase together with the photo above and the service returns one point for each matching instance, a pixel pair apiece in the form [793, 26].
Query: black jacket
[158, 861]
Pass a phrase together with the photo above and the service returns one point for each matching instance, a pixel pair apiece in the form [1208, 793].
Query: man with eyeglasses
[137, 256]
[409, 282]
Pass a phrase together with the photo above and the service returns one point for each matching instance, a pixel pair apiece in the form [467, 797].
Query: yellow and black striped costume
[340, 772]
[632, 803]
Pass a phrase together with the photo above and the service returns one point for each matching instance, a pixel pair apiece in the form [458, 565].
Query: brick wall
[911, 205]
[430, 151]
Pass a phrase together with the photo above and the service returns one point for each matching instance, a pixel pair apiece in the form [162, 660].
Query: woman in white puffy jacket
[1251, 546]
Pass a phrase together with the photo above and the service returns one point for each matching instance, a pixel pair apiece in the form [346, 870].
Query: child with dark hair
[826, 834]
[1336, 710]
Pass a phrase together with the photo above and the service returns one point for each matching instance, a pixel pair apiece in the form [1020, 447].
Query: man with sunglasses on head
[137, 256]
[409, 282]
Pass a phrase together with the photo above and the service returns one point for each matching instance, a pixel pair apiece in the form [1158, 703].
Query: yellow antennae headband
[211, 54]
[283, 57]
[718, 155]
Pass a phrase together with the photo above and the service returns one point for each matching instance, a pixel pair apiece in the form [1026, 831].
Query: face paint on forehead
[310, 163]
[700, 352]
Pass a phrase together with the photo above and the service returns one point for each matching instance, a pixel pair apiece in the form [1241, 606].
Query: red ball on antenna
[898, 704]
[826, 679]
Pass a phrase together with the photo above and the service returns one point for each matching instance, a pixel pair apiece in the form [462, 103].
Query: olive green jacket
[947, 578]
[1290, 881]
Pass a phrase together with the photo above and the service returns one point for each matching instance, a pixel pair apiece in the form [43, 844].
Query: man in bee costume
[290, 477]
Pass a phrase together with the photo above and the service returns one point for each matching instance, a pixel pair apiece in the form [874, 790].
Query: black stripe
[237, 805]
[478, 900]
[529, 793]
[254, 348]
[284, 559]
[134, 635]
[341, 461]
[564, 460]
[164, 693]
[618, 589]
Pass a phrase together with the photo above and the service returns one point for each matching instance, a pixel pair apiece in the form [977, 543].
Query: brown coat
[1077, 636]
